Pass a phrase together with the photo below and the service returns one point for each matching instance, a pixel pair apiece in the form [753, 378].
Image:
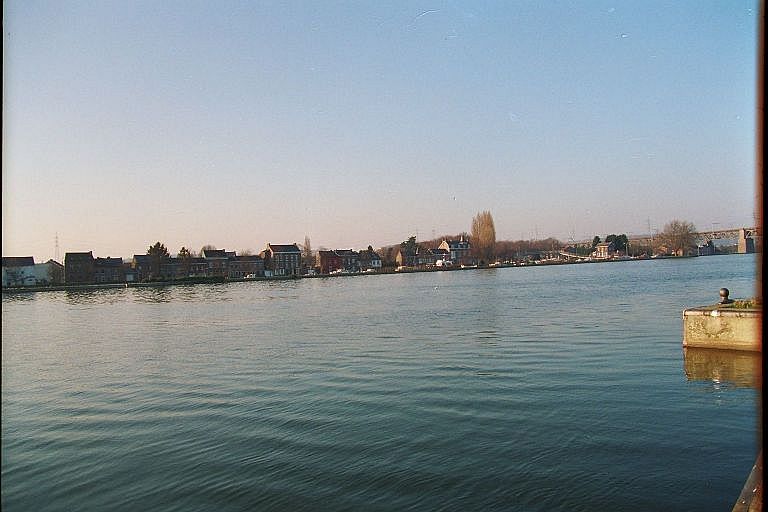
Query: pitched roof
[327, 254]
[283, 248]
[214, 253]
[456, 244]
[372, 255]
[108, 262]
[74, 256]
[18, 261]
[250, 257]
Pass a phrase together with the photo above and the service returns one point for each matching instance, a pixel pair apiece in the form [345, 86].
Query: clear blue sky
[355, 123]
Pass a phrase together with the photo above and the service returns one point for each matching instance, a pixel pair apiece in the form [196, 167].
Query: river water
[536, 388]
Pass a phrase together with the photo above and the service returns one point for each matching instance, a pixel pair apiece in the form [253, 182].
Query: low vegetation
[746, 304]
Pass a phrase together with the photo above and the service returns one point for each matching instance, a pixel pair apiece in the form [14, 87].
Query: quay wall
[723, 328]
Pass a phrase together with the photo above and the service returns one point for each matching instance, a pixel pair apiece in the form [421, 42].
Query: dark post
[724, 296]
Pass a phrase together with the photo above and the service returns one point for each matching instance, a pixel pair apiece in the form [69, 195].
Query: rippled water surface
[537, 388]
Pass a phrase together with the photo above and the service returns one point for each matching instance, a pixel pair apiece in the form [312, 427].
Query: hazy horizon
[239, 124]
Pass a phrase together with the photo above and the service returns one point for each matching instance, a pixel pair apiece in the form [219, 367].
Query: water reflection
[94, 296]
[738, 368]
[18, 296]
[152, 294]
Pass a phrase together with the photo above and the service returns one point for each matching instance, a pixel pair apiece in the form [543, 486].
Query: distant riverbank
[215, 280]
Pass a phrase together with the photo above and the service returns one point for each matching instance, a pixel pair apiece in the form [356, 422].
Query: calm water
[557, 388]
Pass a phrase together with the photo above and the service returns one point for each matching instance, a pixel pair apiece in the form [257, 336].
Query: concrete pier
[733, 329]
[729, 324]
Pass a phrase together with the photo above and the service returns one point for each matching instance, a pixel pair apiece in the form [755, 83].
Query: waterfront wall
[713, 327]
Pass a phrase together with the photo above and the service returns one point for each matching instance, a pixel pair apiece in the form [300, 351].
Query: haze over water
[557, 388]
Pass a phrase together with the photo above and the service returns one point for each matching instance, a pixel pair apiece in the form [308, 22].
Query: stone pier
[730, 324]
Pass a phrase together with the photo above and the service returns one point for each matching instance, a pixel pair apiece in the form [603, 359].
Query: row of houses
[347, 260]
[449, 252]
[274, 260]
[84, 268]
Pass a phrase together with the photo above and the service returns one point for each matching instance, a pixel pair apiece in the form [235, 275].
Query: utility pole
[650, 232]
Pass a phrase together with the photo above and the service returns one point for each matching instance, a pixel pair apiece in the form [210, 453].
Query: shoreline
[222, 280]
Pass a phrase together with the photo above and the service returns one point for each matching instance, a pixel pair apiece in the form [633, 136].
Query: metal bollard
[724, 296]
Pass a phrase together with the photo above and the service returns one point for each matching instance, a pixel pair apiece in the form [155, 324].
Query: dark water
[556, 388]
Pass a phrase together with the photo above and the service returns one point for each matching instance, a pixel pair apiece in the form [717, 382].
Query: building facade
[604, 250]
[218, 262]
[369, 260]
[108, 270]
[142, 266]
[459, 251]
[79, 268]
[350, 260]
[23, 271]
[244, 266]
[328, 261]
[282, 259]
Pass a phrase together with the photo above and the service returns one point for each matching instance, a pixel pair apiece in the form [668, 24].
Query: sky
[238, 124]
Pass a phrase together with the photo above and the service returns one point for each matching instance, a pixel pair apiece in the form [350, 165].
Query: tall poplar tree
[306, 253]
[484, 236]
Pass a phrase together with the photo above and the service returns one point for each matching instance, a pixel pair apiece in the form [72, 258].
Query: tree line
[677, 238]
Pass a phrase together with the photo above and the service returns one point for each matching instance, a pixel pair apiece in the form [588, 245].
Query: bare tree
[307, 256]
[484, 236]
[185, 257]
[678, 237]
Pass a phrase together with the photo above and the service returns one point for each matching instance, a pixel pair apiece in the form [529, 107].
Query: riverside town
[480, 249]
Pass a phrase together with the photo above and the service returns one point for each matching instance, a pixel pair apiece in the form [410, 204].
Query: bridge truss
[728, 234]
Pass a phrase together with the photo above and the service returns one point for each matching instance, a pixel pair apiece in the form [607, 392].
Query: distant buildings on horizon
[83, 268]
[282, 260]
[276, 260]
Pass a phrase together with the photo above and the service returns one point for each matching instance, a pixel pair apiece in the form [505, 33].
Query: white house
[22, 271]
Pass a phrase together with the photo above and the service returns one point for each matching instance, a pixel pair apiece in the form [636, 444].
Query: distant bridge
[728, 234]
[702, 237]
[746, 239]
